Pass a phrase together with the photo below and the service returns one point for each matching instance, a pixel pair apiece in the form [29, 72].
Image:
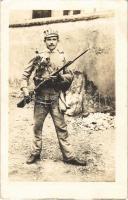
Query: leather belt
[42, 101]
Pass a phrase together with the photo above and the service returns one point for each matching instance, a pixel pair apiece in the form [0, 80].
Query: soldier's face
[51, 43]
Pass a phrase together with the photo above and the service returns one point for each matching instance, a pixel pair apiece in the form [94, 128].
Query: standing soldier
[47, 98]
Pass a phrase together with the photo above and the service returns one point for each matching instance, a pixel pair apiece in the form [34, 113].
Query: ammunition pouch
[57, 83]
[62, 85]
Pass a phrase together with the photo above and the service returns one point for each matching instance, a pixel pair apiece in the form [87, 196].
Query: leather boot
[75, 161]
[33, 159]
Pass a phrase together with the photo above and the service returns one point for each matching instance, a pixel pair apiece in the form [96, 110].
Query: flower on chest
[43, 63]
[45, 67]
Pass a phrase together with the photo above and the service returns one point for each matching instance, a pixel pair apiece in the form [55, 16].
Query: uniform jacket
[49, 62]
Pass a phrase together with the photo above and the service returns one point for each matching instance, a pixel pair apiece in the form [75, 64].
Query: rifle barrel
[80, 55]
[70, 62]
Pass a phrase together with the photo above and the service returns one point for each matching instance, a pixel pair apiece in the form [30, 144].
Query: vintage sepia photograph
[62, 97]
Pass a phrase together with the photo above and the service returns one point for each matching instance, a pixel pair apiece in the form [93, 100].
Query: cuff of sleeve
[22, 88]
[67, 77]
[24, 84]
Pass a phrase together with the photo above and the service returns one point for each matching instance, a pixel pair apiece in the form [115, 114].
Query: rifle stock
[25, 100]
[22, 103]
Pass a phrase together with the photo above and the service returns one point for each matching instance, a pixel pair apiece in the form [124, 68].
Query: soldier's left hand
[60, 77]
[53, 78]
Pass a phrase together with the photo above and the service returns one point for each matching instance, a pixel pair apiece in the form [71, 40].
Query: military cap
[50, 33]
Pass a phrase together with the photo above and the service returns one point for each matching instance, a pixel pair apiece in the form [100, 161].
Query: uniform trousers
[40, 113]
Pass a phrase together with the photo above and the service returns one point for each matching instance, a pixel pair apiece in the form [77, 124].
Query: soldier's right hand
[27, 99]
[25, 92]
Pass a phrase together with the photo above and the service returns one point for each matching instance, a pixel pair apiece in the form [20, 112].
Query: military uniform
[47, 97]
[47, 101]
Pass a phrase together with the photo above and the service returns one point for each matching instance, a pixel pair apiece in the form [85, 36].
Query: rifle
[27, 100]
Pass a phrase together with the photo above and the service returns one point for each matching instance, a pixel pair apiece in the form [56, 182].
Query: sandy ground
[97, 147]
